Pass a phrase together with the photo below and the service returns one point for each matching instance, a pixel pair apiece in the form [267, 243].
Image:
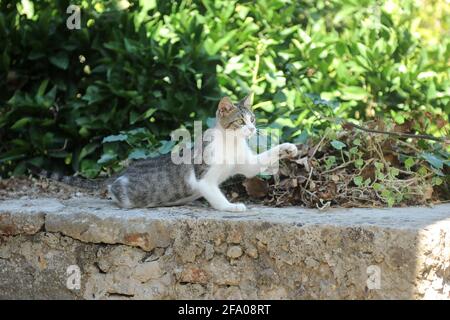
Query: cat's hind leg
[118, 191]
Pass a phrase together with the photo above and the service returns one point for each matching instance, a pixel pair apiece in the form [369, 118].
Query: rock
[96, 227]
[223, 273]
[251, 251]
[209, 251]
[234, 252]
[273, 293]
[234, 236]
[21, 217]
[228, 293]
[194, 275]
[148, 270]
[198, 253]
[311, 263]
[190, 291]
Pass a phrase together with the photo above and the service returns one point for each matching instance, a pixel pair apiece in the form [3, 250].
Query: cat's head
[238, 117]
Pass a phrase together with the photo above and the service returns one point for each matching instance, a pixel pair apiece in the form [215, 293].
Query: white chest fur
[225, 151]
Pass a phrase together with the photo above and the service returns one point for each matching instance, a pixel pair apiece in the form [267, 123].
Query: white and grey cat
[160, 182]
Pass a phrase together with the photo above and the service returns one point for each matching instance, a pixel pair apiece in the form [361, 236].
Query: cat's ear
[225, 106]
[247, 101]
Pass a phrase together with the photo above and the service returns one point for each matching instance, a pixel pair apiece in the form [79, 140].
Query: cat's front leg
[287, 150]
[256, 164]
[216, 198]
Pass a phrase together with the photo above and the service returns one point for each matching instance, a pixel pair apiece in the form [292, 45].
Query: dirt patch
[31, 188]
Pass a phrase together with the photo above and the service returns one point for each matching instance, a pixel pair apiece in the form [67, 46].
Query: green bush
[82, 100]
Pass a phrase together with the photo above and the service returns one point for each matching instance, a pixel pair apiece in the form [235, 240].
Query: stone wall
[198, 253]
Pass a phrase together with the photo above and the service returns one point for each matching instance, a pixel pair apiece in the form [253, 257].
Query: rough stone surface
[198, 253]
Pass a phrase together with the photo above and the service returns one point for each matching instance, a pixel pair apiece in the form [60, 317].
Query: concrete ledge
[197, 253]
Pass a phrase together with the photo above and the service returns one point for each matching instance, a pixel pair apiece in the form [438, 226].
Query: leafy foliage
[354, 169]
[83, 100]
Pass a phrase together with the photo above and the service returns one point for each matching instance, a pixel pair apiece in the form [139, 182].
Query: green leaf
[6, 60]
[432, 159]
[377, 186]
[341, 48]
[353, 93]
[390, 201]
[438, 172]
[359, 163]
[409, 162]
[114, 138]
[134, 117]
[379, 165]
[338, 145]
[302, 138]
[166, 146]
[431, 92]
[35, 55]
[138, 154]
[130, 46]
[90, 168]
[394, 172]
[92, 94]
[42, 87]
[61, 60]
[399, 118]
[107, 157]
[212, 47]
[437, 181]
[11, 155]
[88, 149]
[21, 123]
[358, 180]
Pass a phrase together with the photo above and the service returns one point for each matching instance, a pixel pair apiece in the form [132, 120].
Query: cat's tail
[89, 184]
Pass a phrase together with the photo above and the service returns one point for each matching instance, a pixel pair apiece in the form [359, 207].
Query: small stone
[261, 245]
[66, 241]
[234, 237]
[278, 293]
[228, 293]
[223, 273]
[50, 239]
[194, 275]
[190, 291]
[5, 252]
[311, 263]
[221, 248]
[148, 270]
[209, 251]
[234, 252]
[251, 251]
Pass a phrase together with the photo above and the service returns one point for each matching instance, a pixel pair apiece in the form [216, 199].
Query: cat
[159, 181]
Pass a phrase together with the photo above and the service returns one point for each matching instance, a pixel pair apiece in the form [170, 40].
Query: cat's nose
[252, 130]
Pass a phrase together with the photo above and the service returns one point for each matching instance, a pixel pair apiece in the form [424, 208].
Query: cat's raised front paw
[288, 150]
